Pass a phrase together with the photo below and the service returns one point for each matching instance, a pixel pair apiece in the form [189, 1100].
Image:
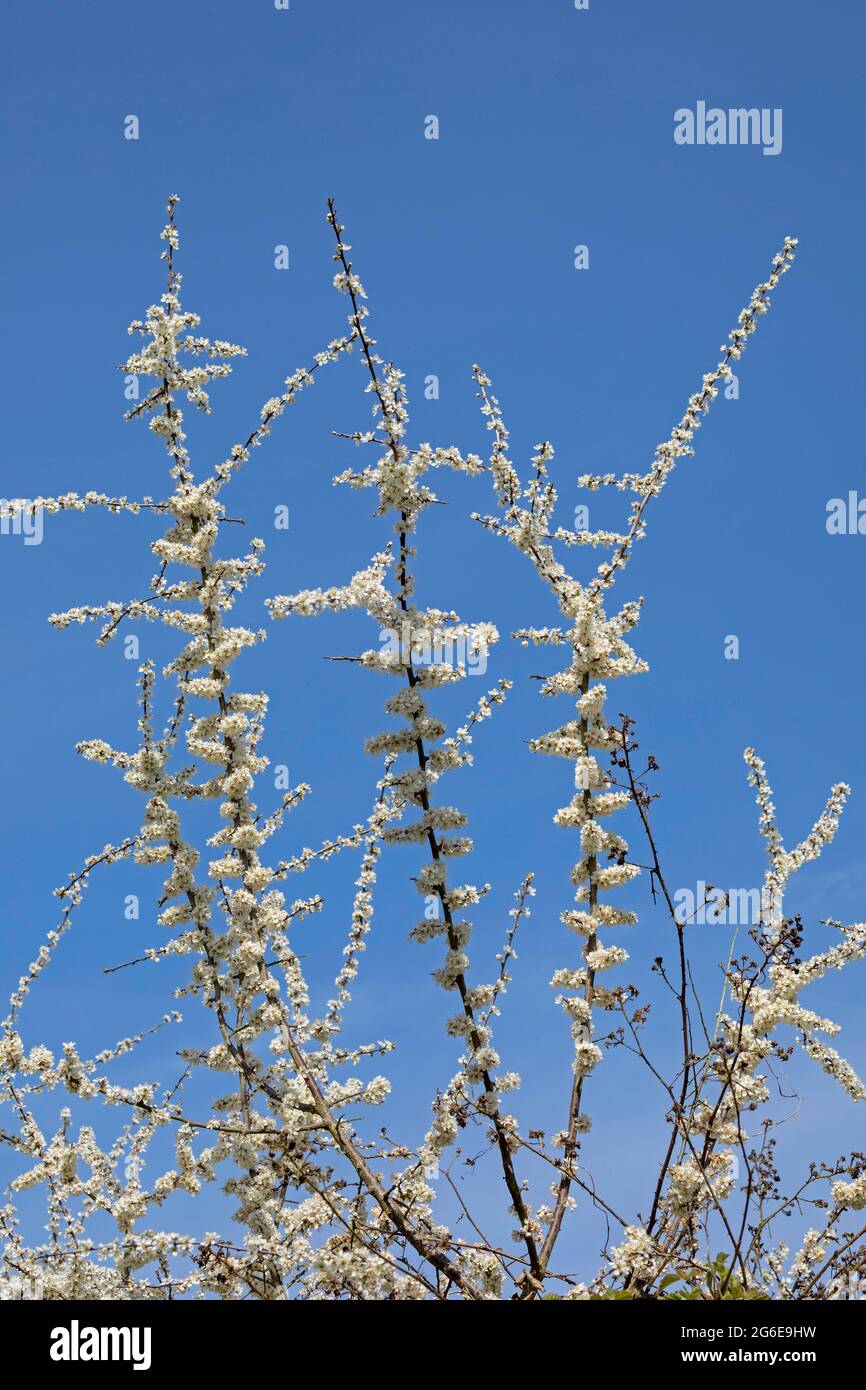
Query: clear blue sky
[556, 128]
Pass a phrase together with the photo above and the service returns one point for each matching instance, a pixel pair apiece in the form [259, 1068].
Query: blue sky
[556, 129]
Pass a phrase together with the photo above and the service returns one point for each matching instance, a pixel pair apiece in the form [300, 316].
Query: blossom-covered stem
[597, 648]
[405, 588]
[172, 286]
[679, 443]
[517, 914]
[509, 1174]
[570, 1148]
